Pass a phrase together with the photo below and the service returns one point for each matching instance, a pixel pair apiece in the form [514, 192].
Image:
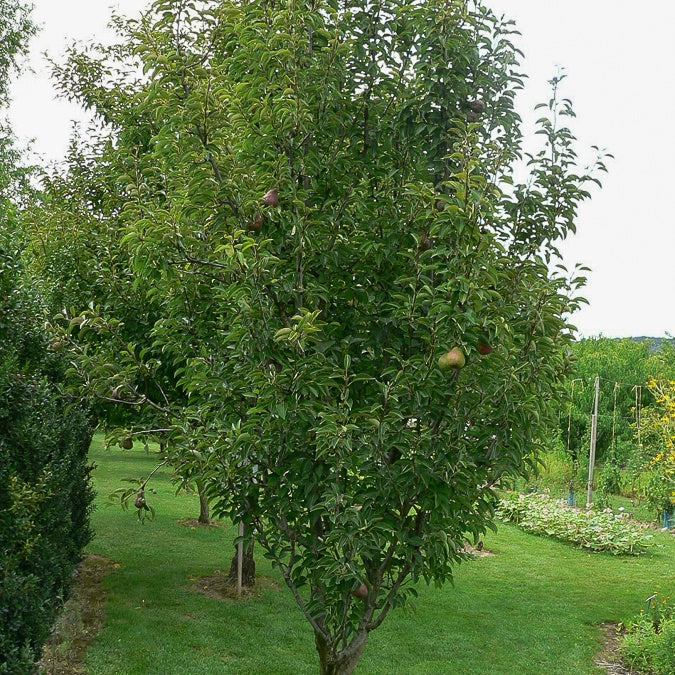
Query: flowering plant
[660, 490]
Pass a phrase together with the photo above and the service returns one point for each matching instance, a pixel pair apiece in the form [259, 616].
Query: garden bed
[586, 528]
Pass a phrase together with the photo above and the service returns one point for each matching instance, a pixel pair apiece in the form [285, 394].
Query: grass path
[535, 607]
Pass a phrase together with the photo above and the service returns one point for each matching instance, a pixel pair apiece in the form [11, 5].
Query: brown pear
[140, 502]
[256, 223]
[361, 591]
[425, 243]
[271, 198]
[477, 106]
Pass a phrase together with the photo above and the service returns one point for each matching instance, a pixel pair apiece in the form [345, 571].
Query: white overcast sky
[619, 59]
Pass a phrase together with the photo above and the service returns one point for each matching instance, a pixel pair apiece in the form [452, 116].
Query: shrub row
[593, 530]
[45, 494]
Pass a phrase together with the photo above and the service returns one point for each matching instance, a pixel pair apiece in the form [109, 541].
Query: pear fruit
[271, 198]
[140, 502]
[361, 591]
[256, 223]
[477, 106]
[425, 243]
[452, 360]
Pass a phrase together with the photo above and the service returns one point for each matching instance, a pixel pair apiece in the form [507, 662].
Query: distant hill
[656, 342]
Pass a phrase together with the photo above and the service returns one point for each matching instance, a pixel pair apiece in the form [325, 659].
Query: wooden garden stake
[594, 431]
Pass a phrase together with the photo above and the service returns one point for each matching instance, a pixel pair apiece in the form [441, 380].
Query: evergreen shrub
[45, 491]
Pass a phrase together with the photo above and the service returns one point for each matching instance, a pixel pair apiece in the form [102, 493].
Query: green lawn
[533, 607]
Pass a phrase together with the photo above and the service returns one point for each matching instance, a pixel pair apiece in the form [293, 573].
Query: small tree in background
[76, 260]
[356, 300]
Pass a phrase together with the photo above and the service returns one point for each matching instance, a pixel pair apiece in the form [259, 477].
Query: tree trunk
[248, 570]
[204, 513]
[343, 662]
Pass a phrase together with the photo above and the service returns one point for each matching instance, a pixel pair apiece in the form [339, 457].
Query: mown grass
[535, 606]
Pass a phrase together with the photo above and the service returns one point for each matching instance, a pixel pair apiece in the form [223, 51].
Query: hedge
[45, 491]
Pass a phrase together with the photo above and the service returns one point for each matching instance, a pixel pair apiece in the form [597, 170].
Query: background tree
[356, 299]
[624, 363]
[76, 259]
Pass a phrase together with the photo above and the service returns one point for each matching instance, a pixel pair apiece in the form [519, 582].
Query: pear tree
[364, 305]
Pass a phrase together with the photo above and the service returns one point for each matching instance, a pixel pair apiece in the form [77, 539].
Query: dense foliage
[658, 432]
[44, 477]
[648, 644]
[349, 324]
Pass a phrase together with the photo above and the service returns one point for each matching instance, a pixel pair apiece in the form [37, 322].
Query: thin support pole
[240, 559]
[594, 433]
[638, 411]
[616, 386]
[569, 419]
